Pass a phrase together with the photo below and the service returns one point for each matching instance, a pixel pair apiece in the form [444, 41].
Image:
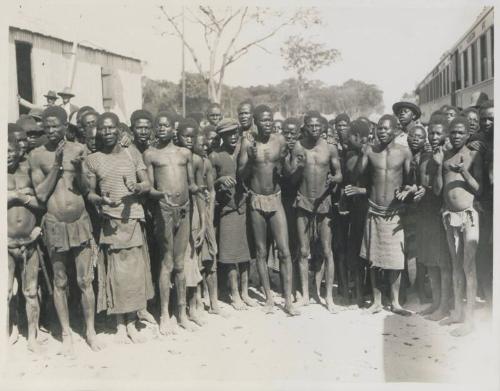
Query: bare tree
[305, 57]
[222, 32]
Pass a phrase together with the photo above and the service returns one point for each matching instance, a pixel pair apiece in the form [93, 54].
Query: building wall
[51, 67]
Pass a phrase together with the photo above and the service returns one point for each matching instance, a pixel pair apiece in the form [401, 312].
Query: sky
[387, 43]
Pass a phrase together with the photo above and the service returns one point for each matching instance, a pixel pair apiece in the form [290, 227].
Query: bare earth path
[249, 346]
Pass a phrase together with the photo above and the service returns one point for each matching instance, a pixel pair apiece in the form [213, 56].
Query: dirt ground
[249, 346]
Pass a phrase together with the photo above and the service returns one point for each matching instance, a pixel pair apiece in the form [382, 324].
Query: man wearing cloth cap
[260, 162]
[66, 96]
[407, 113]
[51, 97]
[60, 181]
[231, 215]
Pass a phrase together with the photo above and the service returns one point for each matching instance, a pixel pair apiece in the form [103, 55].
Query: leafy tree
[222, 30]
[304, 57]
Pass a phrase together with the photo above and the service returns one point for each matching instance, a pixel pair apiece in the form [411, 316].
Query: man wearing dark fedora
[51, 97]
[66, 96]
[407, 113]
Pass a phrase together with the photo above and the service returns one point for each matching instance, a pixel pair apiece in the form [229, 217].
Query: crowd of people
[122, 215]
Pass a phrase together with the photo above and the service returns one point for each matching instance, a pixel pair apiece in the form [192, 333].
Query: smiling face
[142, 130]
[108, 132]
[54, 129]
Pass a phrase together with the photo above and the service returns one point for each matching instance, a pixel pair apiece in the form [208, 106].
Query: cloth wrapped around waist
[320, 205]
[173, 214]
[461, 218]
[18, 247]
[61, 236]
[266, 203]
[120, 234]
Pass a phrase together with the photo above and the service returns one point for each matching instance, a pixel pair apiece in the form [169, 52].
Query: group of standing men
[161, 205]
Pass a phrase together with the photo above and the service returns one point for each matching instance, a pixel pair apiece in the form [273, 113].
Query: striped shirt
[113, 172]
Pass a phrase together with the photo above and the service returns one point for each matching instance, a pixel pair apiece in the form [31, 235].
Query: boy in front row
[460, 179]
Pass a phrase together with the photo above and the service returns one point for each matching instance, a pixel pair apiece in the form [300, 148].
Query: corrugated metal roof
[83, 43]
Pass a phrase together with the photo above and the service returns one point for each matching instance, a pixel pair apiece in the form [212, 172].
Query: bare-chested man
[170, 170]
[60, 181]
[18, 134]
[23, 234]
[245, 118]
[117, 179]
[459, 177]
[383, 241]
[319, 167]
[432, 247]
[260, 162]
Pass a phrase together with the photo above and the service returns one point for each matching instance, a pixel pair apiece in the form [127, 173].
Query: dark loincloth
[316, 209]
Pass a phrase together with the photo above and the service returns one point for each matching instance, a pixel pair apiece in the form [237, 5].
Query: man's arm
[81, 172]
[45, 185]
[243, 160]
[190, 172]
[23, 102]
[153, 193]
[438, 159]
[143, 185]
[474, 180]
[362, 163]
[335, 166]
[199, 198]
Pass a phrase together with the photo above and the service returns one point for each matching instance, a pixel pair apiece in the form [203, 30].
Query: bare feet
[14, 336]
[303, 302]
[269, 307]
[429, 310]
[94, 342]
[248, 301]
[374, 309]
[146, 316]
[290, 310]
[134, 334]
[42, 336]
[35, 347]
[216, 310]
[463, 329]
[186, 324]
[168, 325]
[67, 348]
[238, 304]
[437, 315]
[332, 308]
[454, 317]
[121, 336]
[194, 316]
[398, 310]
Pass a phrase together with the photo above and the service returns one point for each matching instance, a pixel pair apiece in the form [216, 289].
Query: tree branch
[180, 35]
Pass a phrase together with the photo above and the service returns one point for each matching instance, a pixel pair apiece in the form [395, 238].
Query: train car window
[466, 67]
[484, 58]
[474, 62]
[492, 53]
[458, 71]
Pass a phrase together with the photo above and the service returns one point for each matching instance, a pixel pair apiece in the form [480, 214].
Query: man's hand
[193, 189]
[365, 149]
[458, 167]
[419, 194]
[77, 162]
[59, 153]
[198, 240]
[438, 156]
[351, 190]
[252, 150]
[106, 200]
[227, 181]
[404, 192]
[301, 160]
[125, 140]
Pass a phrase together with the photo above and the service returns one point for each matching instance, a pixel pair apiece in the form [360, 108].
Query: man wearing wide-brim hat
[408, 114]
[51, 97]
[66, 94]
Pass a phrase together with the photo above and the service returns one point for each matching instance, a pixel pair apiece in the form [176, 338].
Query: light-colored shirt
[110, 170]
